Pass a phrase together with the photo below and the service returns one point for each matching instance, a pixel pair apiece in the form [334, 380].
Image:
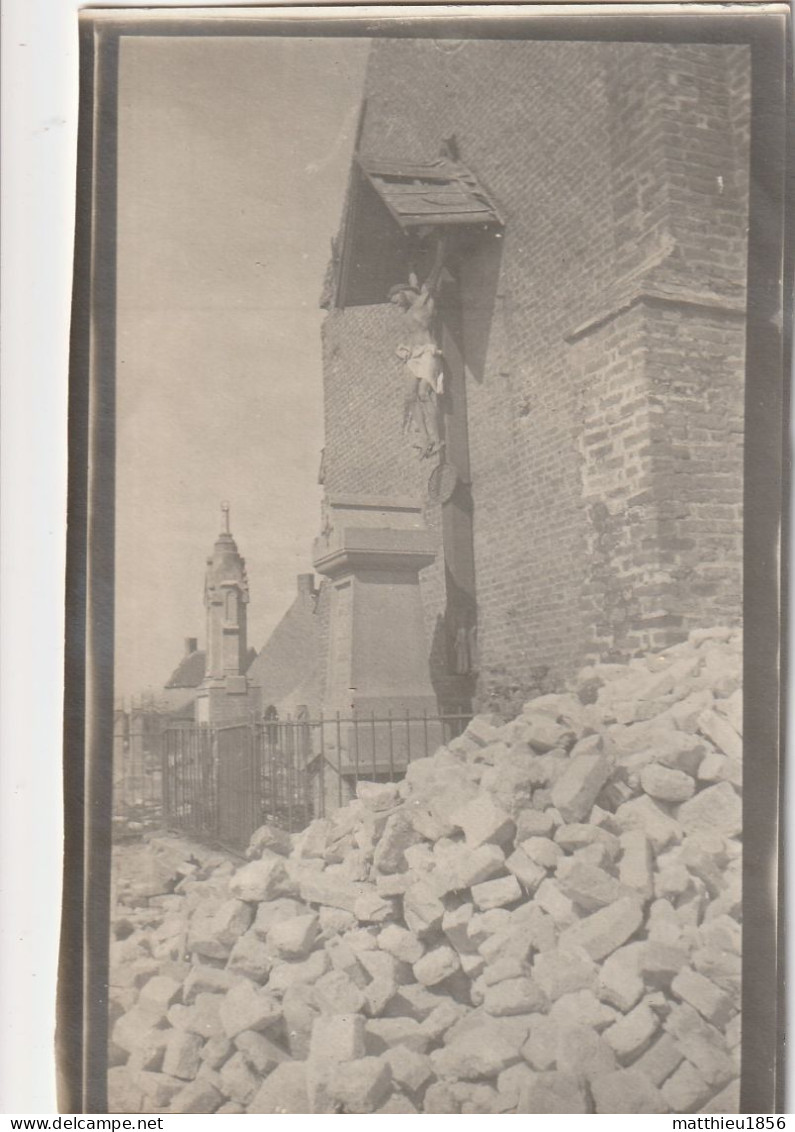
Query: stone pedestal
[223, 700]
[378, 670]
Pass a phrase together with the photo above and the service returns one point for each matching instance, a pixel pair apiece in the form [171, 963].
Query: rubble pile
[542, 917]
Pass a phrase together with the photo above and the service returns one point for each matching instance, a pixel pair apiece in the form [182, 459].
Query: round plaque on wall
[442, 483]
[449, 46]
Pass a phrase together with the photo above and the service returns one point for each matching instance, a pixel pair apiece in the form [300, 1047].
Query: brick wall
[693, 361]
[617, 475]
[603, 335]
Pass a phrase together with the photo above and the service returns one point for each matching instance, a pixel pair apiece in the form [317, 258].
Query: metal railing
[221, 783]
[137, 788]
[378, 748]
[189, 780]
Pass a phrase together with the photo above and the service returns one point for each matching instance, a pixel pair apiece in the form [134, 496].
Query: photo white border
[39, 143]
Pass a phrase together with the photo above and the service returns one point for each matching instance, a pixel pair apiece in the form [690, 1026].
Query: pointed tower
[223, 696]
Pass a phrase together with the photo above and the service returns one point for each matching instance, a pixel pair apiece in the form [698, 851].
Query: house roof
[442, 191]
[189, 673]
[186, 709]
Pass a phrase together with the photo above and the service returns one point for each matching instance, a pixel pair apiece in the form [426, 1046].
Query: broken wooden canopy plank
[435, 192]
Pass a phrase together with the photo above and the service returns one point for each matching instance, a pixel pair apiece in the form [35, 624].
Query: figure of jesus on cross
[421, 356]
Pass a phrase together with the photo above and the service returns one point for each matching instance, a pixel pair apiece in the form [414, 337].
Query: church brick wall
[603, 332]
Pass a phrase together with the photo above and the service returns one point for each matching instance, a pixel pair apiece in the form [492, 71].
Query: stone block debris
[542, 917]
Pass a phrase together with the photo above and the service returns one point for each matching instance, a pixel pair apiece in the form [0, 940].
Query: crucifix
[435, 418]
[422, 359]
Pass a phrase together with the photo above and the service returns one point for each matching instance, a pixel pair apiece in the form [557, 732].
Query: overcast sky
[233, 161]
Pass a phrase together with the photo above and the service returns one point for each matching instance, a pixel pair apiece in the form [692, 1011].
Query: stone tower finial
[223, 695]
[225, 600]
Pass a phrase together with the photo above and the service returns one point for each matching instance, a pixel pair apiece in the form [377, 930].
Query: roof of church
[189, 673]
[291, 651]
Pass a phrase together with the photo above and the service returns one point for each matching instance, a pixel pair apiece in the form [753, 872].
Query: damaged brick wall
[661, 449]
[621, 173]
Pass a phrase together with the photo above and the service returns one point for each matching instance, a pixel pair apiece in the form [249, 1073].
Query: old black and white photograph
[424, 376]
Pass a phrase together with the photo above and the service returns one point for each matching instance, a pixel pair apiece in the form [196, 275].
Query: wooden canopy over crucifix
[401, 214]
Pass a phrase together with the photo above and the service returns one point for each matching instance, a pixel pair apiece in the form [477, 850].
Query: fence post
[165, 808]
[339, 761]
[289, 754]
[254, 779]
[375, 764]
[391, 749]
[211, 744]
[356, 750]
[322, 800]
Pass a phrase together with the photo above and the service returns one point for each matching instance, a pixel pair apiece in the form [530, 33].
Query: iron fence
[189, 780]
[344, 750]
[137, 789]
[221, 783]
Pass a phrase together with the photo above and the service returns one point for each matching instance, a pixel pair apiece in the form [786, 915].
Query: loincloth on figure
[425, 364]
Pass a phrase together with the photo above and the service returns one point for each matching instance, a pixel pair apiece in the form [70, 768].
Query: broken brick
[717, 808]
[701, 1043]
[711, 1002]
[563, 971]
[620, 983]
[587, 886]
[685, 1090]
[482, 821]
[337, 1037]
[603, 931]
[422, 908]
[666, 784]
[496, 893]
[576, 790]
[436, 965]
[646, 815]
[474, 1056]
[552, 1092]
[514, 996]
[293, 939]
[261, 880]
[626, 1091]
[633, 1033]
[247, 1007]
[181, 1057]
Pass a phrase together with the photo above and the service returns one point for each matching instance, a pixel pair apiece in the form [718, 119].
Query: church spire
[225, 599]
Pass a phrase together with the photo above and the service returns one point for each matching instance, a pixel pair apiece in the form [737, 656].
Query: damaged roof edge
[442, 191]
